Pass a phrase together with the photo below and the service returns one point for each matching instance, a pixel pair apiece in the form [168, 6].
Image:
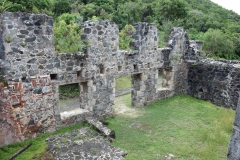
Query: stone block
[90, 83]
[94, 88]
[143, 77]
[140, 93]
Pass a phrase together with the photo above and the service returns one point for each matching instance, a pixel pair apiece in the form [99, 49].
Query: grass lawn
[183, 126]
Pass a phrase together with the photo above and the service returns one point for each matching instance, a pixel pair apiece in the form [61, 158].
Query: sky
[229, 4]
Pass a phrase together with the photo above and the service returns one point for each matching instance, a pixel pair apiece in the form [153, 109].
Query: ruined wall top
[26, 42]
[146, 38]
[27, 49]
[102, 37]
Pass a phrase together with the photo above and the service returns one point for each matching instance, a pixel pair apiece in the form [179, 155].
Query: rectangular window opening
[53, 76]
[119, 68]
[135, 67]
[84, 87]
[79, 73]
[160, 79]
[149, 65]
[24, 79]
[167, 78]
[68, 94]
[102, 70]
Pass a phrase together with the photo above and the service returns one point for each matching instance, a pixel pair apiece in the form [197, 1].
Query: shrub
[67, 37]
[125, 36]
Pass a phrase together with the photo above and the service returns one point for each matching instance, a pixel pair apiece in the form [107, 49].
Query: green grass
[183, 126]
[124, 99]
[123, 82]
[38, 145]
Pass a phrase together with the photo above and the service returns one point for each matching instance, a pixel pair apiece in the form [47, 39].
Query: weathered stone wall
[27, 51]
[27, 45]
[218, 82]
[29, 102]
[234, 147]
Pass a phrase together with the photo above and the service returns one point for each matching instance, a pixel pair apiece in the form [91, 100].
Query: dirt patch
[122, 109]
[141, 126]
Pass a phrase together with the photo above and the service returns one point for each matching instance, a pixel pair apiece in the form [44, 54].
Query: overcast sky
[229, 4]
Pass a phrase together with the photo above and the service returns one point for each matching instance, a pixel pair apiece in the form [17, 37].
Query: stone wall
[216, 81]
[234, 147]
[29, 103]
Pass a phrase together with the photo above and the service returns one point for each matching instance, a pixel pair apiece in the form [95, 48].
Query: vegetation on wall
[67, 34]
[125, 37]
[203, 19]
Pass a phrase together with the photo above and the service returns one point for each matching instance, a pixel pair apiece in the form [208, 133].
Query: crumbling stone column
[234, 145]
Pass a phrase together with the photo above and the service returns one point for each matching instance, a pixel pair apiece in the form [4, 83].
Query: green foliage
[218, 45]
[36, 6]
[5, 5]
[123, 82]
[61, 6]
[183, 126]
[125, 37]
[23, 43]
[68, 91]
[67, 17]
[165, 30]
[67, 37]
[8, 38]
[132, 12]
[171, 9]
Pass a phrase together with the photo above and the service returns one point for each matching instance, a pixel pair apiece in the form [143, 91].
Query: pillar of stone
[26, 52]
[144, 46]
[234, 145]
[103, 47]
[179, 42]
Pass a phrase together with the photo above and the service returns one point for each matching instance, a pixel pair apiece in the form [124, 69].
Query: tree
[67, 37]
[127, 13]
[171, 9]
[218, 45]
[27, 6]
[5, 5]
[125, 36]
[61, 6]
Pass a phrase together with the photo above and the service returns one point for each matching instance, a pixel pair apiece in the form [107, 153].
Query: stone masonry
[32, 72]
[216, 81]
[234, 145]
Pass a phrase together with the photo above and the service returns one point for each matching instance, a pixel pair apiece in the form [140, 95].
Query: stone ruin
[31, 73]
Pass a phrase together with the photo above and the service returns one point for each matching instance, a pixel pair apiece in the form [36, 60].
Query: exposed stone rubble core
[234, 145]
[101, 128]
[83, 143]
